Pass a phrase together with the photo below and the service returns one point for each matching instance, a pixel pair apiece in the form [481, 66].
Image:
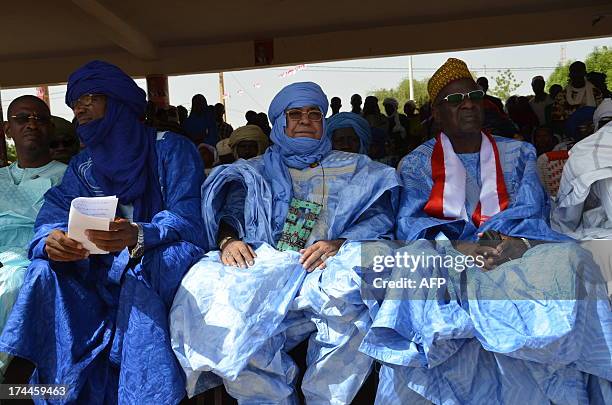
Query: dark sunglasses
[457, 98]
[68, 143]
[23, 118]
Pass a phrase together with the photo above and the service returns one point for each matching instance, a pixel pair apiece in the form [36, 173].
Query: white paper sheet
[90, 213]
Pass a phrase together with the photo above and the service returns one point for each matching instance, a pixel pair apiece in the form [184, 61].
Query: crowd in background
[552, 120]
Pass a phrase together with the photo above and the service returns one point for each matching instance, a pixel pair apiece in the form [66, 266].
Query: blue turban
[287, 152]
[351, 120]
[122, 149]
[583, 115]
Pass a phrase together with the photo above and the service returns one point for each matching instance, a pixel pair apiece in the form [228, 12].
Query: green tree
[402, 93]
[560, 75]
[599, 60]
[10, 151]
[505, 84]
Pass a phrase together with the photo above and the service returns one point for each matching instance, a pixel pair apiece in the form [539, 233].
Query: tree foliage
[505, 84]
[560, 75]
[402, 92]
[10, 151]
[600, 60]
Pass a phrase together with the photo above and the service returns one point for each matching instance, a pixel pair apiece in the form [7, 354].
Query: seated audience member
[550, 167]
[286, 225]
[579, 92]
[200, 126]
[503, 326]
[579, 124]
[584, 203]
[64, 142]
[583, 208]
[209, 156]
[23, 186]
[557, 126]
[98, 323]
[544, 140]
[521, 113]
[602, 114]
[225, 153]
[248, 142]
[349, 132]
[167, 119]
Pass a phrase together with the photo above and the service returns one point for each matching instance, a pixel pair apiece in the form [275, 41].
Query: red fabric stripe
[557, 155]
[476, 216]
[502, 193]
[434, 206]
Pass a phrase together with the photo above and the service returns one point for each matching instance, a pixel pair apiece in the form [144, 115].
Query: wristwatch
[138, 249]
[224, 241]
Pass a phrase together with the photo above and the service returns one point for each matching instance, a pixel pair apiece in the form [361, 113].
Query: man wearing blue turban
[287, 226]
[349, 132]
[98, 322]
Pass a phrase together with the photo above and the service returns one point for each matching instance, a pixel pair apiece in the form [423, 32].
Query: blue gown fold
[100, 325]
[239, 323]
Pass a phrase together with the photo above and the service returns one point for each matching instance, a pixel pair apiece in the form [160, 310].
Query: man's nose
[33, 123]
[304, 119]
[78, 109]
[467, 103]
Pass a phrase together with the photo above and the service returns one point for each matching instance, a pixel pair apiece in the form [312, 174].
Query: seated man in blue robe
[23, 186]
[517, 318]
[98, 322]
[288, 225]
[350, 132]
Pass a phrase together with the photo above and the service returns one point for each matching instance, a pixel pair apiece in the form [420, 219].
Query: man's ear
[6, 130]
[435, 112]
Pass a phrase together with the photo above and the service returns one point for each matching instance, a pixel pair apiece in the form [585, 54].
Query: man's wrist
[223, 242]
[137, 250]
[526, 242]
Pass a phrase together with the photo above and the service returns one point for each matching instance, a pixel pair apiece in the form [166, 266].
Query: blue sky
[254, 89]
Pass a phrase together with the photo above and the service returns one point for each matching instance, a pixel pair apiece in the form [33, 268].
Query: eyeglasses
[85, 100]
[312, 115]
[457, 98]
[23, 118]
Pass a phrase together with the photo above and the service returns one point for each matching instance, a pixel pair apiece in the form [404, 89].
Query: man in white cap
[224, 151]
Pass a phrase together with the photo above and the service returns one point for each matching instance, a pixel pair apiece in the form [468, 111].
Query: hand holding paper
[90, 213]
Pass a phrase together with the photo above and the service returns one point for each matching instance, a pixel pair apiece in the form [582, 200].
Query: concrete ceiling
[43, 41]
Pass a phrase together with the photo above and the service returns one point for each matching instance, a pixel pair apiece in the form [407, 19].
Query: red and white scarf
[447, 198]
